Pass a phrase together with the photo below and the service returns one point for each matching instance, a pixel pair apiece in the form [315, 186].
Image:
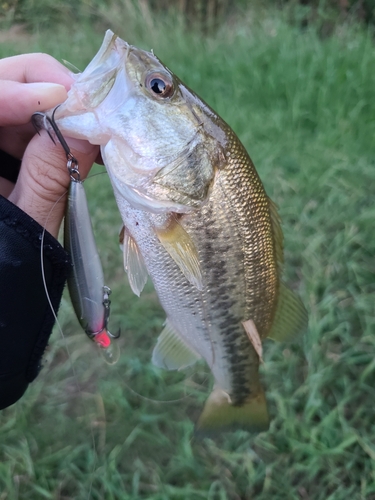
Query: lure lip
[94, 336]
[102, 339]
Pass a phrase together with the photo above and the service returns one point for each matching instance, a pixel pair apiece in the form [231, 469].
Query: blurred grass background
[297, 84]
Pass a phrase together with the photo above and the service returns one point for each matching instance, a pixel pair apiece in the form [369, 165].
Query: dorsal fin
[290, 317]
[278, 236]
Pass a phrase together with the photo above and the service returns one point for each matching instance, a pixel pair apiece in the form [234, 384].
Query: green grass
[305, 109]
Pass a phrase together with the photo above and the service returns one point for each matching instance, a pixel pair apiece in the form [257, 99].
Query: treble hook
[72, 162]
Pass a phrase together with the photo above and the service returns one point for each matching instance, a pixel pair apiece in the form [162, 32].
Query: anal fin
[171, 352]
[220, 414]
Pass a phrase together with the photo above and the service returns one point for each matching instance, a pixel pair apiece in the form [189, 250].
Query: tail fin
[220, 414]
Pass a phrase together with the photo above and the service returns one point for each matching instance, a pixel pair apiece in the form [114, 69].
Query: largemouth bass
[196, 219]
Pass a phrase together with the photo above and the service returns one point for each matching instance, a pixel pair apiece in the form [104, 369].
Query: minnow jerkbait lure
[88, 293]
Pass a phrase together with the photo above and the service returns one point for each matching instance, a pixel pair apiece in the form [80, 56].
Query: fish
[197, 221]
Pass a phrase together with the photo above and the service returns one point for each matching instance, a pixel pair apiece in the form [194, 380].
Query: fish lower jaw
[84, 127]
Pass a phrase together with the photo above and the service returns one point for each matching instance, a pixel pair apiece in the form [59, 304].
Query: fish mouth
[93, 85]
[107, 57]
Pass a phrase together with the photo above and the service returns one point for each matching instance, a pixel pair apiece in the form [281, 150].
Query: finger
[29, 68]
[43, 180]
[18, 101]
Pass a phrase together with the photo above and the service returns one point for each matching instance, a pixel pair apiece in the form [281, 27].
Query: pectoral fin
[134, 264]
[171, 352]
[290, 317]
[181, 248]
[219, 414]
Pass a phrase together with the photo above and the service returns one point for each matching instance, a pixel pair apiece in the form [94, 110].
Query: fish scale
[250, 208]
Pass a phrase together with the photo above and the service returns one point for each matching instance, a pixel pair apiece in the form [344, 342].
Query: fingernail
[81, 146]
[46, 95]
[46, 86]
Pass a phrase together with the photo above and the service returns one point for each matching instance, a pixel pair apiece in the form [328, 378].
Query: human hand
[29, 83]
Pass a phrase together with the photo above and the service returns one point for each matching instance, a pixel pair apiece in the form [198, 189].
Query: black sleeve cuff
[9, 167]
[26, 318]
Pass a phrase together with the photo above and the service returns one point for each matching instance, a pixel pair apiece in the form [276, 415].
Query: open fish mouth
[93, 85]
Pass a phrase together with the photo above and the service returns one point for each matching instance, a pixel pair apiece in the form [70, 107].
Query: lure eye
[159, 85]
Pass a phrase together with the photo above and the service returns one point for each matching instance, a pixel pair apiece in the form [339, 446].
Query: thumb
[43, 181]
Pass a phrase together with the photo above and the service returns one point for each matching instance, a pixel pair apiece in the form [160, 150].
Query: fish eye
[159, 85]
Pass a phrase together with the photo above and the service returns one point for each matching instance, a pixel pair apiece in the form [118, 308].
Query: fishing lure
[88, 293]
